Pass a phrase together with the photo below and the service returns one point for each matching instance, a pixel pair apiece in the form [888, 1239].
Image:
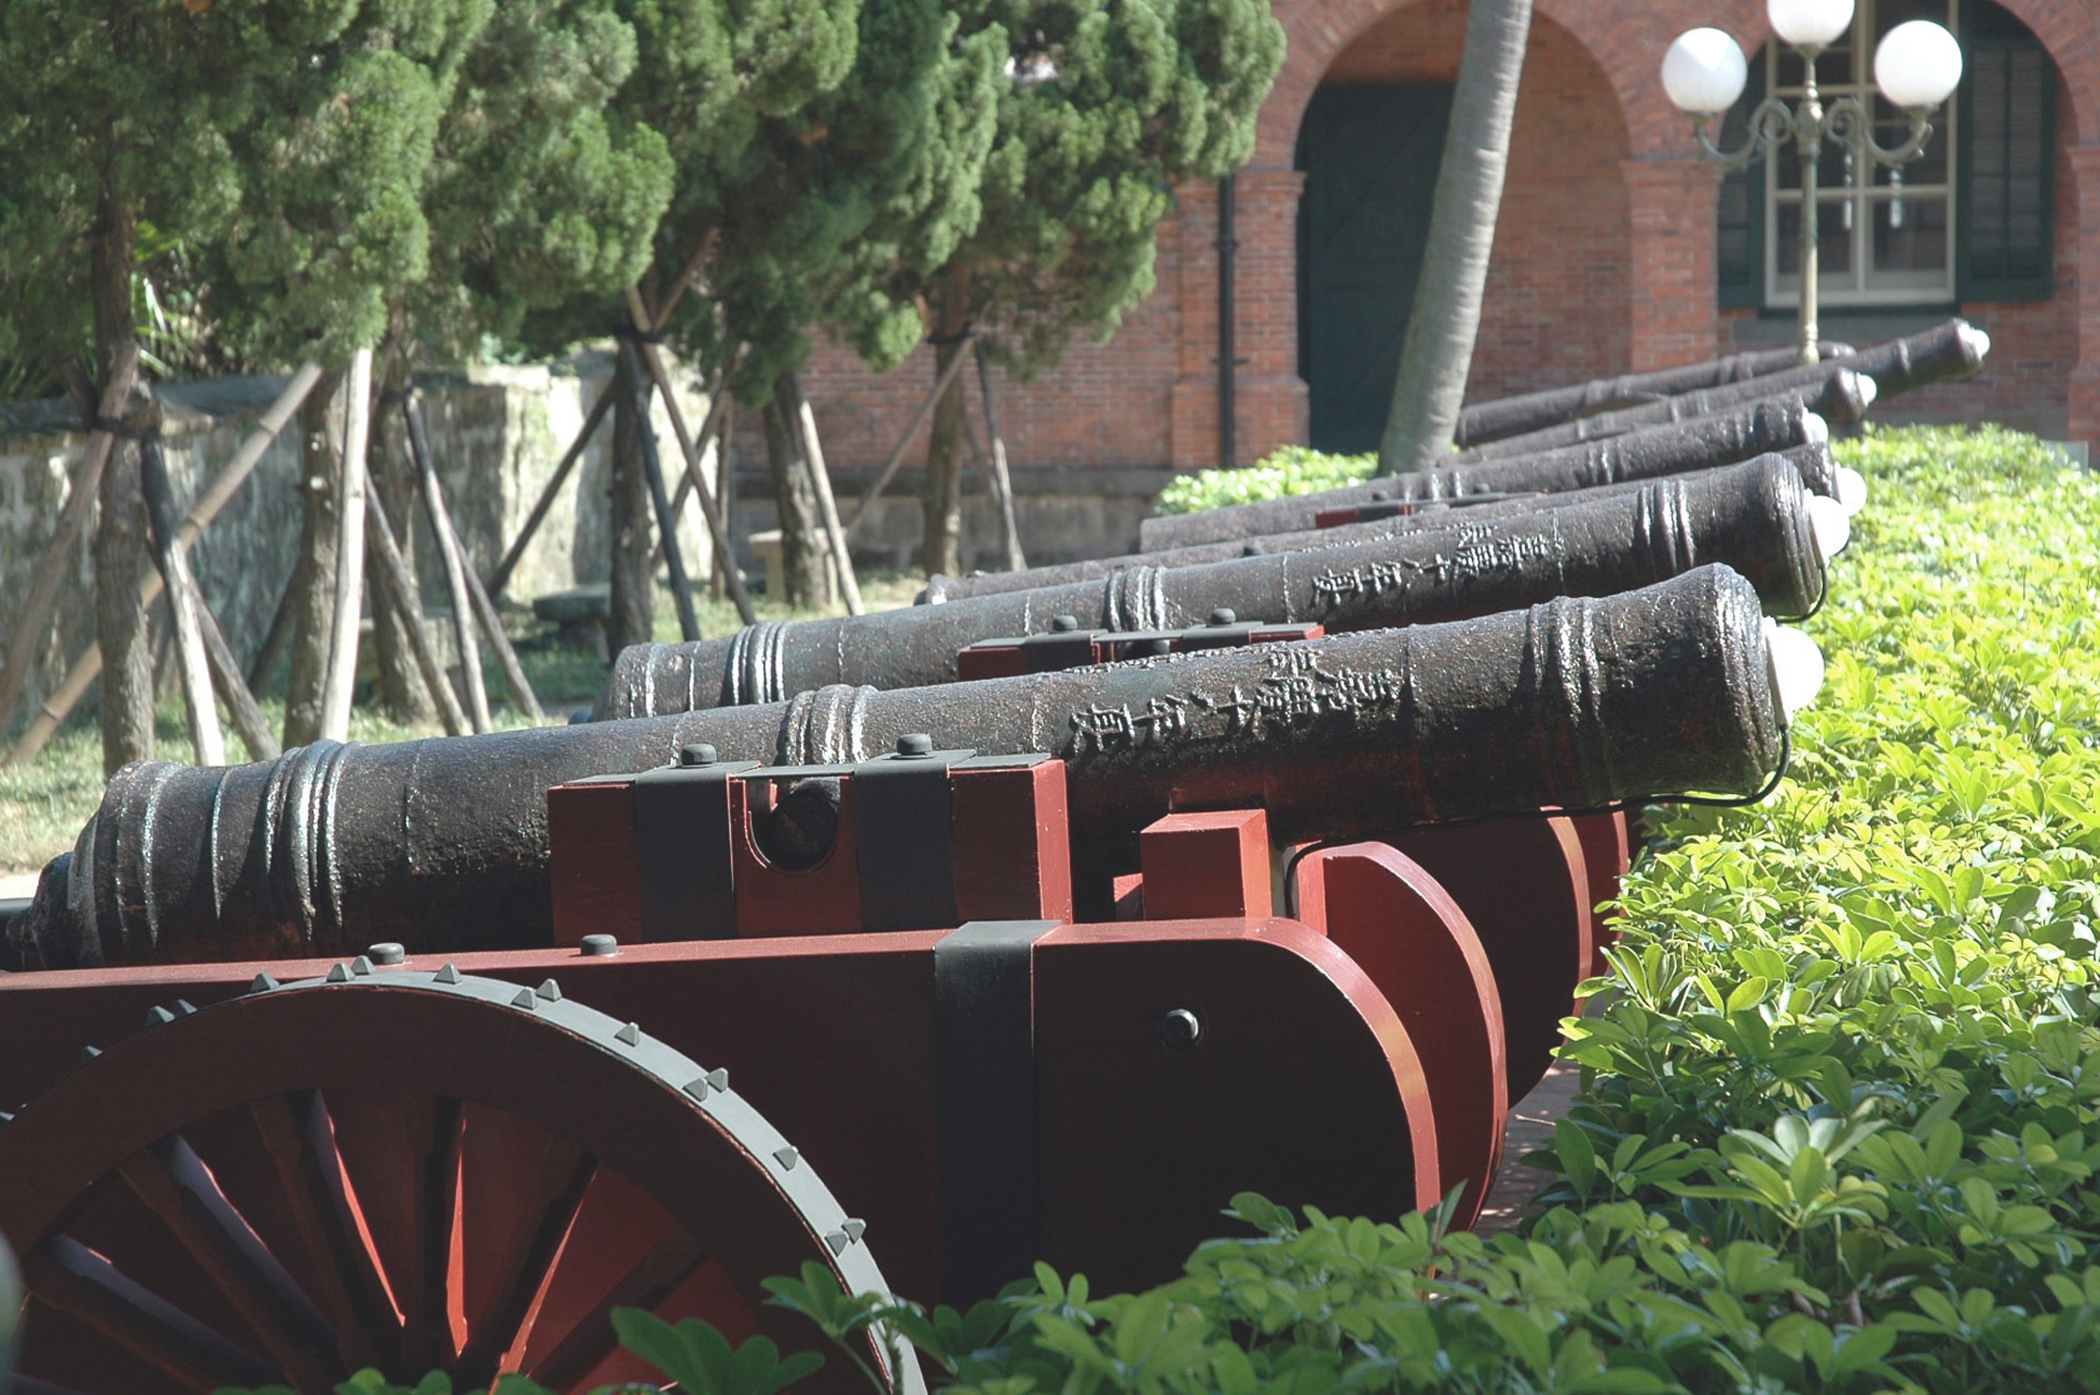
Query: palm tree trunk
[1431, 385]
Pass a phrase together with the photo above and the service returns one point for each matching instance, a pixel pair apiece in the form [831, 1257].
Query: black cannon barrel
[442, 844]
[1502, 417]
[1813, 463]
[1949, 350]
[1671, 449]
[1755, 519]
[1954, 349]
[1832, 391]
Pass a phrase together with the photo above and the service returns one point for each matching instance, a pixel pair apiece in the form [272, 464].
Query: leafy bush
[1286, 470]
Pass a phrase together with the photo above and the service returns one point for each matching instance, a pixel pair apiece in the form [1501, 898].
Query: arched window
[1969, 221]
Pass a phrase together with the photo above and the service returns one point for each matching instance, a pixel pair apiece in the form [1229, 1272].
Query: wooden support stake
[521, 692]
[483, 609]
[339, 680]
[206, 743]
[82, 674]
[710, 504]
[706, 437]
[1002, 482]
[827, 507]
[455, 567]
[51, 570]
[500, 578]
[666, 520]
[247, 713]
[723, 443]
[399, 591]
[274, 637]
[714, 436]
[911, 433]
[43, 593]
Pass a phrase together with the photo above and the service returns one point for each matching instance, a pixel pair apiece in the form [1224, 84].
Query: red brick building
[1617, 249]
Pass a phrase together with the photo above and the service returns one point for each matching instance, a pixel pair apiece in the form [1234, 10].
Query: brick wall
[1604, 256]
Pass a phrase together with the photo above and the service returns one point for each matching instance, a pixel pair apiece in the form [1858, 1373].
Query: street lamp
[1916, 66]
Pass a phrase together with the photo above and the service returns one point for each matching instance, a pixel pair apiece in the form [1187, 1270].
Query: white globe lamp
[1703, 72]
[1917, 65]
[1811, 24]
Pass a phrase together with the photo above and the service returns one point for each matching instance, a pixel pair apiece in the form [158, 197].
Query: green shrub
[1286, 470]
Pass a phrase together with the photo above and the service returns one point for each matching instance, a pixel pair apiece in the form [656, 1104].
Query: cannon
[1340, 517]
[1755, 519]
[1832, 391]
[432, 1055]
[1675, 448]
[441, 843]
[1955, 349]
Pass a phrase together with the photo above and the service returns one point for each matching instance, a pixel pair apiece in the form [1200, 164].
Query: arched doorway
[1370, 154]
[1368, 144]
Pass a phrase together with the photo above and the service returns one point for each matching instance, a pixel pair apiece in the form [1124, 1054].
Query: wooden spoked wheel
[405, 1171]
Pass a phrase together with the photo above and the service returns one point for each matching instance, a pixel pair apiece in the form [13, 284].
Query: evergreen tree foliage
[536, 193]
[113, 136]
[538, 190]
[811, 217]
[1108, 107]
[336, 129]
[1105, 108]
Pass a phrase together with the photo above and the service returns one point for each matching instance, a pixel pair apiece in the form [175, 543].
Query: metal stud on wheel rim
[402, 1170]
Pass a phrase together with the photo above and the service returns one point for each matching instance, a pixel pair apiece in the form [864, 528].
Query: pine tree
[816, 214]
[536, 193]
[1105, 108]
[336, 128]
[112, 122]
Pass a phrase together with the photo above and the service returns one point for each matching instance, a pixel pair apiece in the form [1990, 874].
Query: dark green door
[1370, 156]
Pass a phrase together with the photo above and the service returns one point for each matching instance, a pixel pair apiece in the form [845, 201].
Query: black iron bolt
[1180, 1029]
[1064, 624]
[600, 946]
[386, 953]
[915, 745]
[1224, 615]
[699, 753]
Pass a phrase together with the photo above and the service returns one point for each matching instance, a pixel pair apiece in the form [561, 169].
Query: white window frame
[1861, 285]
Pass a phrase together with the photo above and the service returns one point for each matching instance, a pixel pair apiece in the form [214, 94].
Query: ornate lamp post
[1916, 66]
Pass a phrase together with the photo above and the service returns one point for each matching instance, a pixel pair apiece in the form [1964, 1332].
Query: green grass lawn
[44, 804]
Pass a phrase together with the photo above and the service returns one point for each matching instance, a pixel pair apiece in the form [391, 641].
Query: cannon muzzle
[1380, 517]
[441, 844]
[1754, 518]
